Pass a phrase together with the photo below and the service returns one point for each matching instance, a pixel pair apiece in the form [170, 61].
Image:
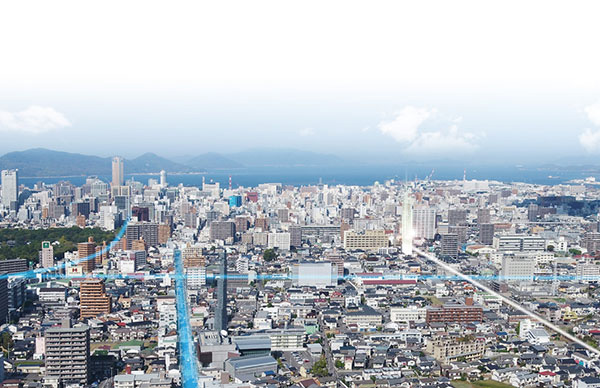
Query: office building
[118, 177]
[295, 236]
[424, 222]
[407, 224]
[13, 265]
[519, 243]
[369, 240]
[221, 307]
[517, 267]
[163, 178]
[3, 298]
[10, 189]
[235, 201]
[67, 357]
[449, 245]
[93, 300]
[47, 255]
[148, 231]
[222, 230]
[483, 216]
[486, 234]
[457, 217]
[279, 240]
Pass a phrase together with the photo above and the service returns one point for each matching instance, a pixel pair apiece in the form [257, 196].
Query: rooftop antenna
[465, 175]
[229, 182]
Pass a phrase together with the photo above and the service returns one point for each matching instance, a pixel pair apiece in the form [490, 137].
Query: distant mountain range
[40, 162]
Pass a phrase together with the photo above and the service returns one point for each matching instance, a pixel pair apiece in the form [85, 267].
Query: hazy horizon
[383, 85]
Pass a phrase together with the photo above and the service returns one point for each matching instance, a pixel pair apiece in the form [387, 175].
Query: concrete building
[118, 177]
[424, 222]
[10, 189]
[449, 245]
[68, 354]
[279, 240]
[369, 240]
[517, 267]
[222, 230]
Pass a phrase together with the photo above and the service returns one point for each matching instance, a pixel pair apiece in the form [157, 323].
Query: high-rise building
[148, 231]
[67, 355]
[483, 216]
[296, 236]
[457, 217]
[163, 178]
[486, 234]
[87, 253]
[47, 255]
[93, 300]
[424, 222]
[3, 298]
[222, 230]
[221, 307]
[118, 178]
[449, 244]
[532, 212]
[407, 224]
[10, 188]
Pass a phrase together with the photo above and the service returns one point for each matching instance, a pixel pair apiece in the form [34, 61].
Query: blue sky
[385, 81]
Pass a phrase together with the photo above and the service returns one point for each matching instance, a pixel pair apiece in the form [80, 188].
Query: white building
[424, 222]
[10, 187]
[280, 240]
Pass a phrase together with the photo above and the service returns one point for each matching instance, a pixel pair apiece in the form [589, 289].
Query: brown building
[164, 233]
[451, 313]
[86, 251]
[139, 245]
[194, 262]
[93, 300]
[101, 254]
[262, 223]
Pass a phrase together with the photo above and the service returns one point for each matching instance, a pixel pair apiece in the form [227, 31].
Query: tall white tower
[117, 172]
[407, 224]
[163, 178]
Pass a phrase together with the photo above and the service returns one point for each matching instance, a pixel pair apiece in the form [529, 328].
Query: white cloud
[441, 142]
[593, 113]
[590, 140]
[35, 119]
[406, 129]
[307, 132]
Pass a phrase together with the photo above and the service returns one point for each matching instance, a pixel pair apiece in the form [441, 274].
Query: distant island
[41, 162]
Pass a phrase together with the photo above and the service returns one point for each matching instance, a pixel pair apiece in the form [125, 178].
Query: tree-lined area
[26, 243]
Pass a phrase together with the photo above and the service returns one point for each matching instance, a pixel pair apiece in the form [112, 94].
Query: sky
[494, 81]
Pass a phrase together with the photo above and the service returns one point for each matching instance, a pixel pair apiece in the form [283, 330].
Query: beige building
[369, 240]
[447, 350]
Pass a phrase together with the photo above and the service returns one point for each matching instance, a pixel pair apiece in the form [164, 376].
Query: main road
[188, 362]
